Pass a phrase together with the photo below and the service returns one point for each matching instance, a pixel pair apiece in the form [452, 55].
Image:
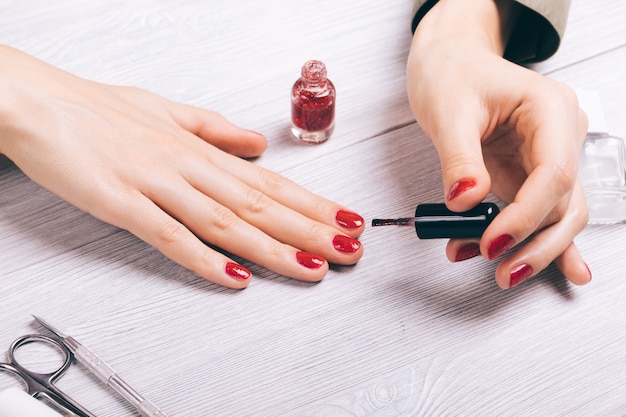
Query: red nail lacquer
[460, 187]
[348, 219]
[346, 244]
[520, 274]
[499, 245]
[467, 251]
[237, 271]
[313, 104]
[310, 260]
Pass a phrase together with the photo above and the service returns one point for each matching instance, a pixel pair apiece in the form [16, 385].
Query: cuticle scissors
[41, 385]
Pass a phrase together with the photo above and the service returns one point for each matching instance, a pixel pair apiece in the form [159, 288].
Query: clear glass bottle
[602, 171]
[313, 104]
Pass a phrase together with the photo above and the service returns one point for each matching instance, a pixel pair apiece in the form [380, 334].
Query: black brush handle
[436, 221]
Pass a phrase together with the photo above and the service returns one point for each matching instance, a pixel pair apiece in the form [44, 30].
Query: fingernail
[467, 251]
[310, 260]
[499, 245]
[237, 271]
[346, 244]
[460, 187]
[348, 219]
[520, 274]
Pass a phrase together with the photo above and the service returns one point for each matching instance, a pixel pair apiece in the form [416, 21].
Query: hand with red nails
[170, 173]
[502, 128]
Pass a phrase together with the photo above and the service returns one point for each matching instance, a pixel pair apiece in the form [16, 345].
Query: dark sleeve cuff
[537, 34]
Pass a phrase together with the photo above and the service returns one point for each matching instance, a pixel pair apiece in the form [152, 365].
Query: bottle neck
[314, 73]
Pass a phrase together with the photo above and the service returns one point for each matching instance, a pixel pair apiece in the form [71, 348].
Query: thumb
[216, 130]
[466, 181]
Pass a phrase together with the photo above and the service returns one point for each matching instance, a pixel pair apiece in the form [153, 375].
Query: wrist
[7, 116]
[17, 110]
[485, 24]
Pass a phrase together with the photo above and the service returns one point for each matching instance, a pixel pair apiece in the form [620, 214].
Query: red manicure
[460, 187]
[348, 219]
[499, 245]
[467, 251]
[346, 244]
[310, 260]
[237, 271]
[520, 274]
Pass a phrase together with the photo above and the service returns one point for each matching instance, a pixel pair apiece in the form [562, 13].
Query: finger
[151, 224]
[282, 223]
[465, 179]
[215, 129]
[573, 266]
[458, 250]
[554, 135]
[554, 243]
[221, 227]
[290, 194]
[549, 183]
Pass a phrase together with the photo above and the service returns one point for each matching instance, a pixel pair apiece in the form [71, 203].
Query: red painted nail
[499, 245]
[310, 260]
[467, 251]
[520, 274]
[348, 219]
[346, 244]
[460, 187]
[237, 271]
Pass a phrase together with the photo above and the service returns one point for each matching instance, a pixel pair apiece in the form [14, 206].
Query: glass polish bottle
[313, 104]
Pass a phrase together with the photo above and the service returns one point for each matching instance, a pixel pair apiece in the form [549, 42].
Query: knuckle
[580, 216]
[527, 222]
[171, 232]
[563, 176]
[310, 231]
[583, 218]
[222, 219]
[271, 181]
[274, 251]
[116, 205]
[256, 201]
[206, 261]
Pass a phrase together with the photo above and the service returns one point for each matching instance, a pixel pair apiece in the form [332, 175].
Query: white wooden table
[404, 332]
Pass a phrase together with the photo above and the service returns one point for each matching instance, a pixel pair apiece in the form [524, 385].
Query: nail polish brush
[435, 221]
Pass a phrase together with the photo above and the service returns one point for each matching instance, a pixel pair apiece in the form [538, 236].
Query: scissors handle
[41, 385]
[38, 338]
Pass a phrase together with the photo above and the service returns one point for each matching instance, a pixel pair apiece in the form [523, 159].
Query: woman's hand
[500, 127]
[169, 173]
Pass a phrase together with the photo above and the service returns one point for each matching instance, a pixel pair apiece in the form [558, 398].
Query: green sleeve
[538, 31]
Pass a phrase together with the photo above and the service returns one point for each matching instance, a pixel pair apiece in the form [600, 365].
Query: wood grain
[402, 333]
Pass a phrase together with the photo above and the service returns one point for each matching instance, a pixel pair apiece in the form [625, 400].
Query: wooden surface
[402, 333]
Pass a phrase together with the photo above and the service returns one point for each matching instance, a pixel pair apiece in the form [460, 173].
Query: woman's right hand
[502, 128]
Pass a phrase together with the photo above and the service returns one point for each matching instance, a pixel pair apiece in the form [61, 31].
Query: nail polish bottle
[602, 165]
[313, 104]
